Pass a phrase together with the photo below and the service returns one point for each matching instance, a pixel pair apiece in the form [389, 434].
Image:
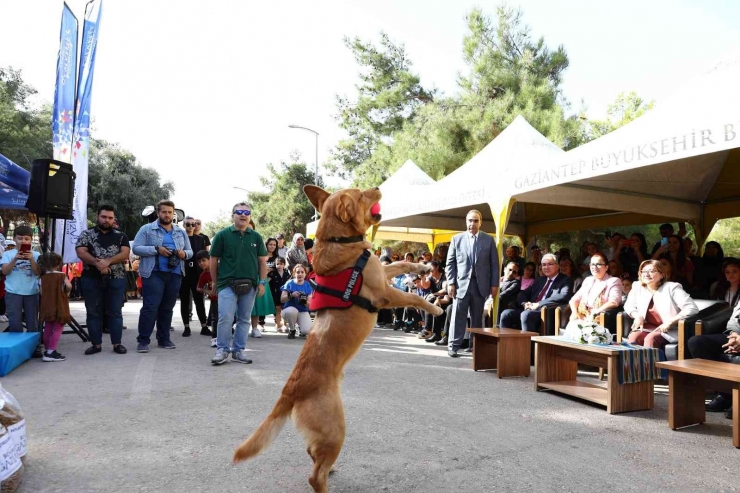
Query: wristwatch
[263, 281]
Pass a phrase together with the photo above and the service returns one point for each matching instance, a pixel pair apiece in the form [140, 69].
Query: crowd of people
[243, 276]
[246, 278]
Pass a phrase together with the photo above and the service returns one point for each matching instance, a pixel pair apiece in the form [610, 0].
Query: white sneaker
[3, 318]
[214, 342]
[256, 333]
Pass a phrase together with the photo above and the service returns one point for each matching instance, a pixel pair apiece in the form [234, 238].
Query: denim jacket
[149, 238]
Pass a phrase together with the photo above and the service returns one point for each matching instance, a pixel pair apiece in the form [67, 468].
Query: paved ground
[417, 421]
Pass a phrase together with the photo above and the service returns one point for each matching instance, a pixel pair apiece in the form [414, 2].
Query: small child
[54, 303]
[626, 288]
[205, 286]
[22, 283]
[278, 278]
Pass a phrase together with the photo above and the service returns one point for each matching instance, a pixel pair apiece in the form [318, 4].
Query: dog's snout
[377, 188]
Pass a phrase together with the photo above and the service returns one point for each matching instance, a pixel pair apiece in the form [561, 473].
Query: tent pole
[501, 211]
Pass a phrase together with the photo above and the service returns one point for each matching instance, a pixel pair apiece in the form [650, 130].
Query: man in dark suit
[510, 287]
[472, 274]
[553, 288]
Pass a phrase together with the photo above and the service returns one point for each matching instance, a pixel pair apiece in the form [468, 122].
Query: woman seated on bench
[655, 305]
[599, 292]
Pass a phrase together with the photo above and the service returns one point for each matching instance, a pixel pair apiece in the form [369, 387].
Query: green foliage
[388, 95]
[25, 130]
[212, 227]
[395, 119]
[116, 178]
[282, 207]
[623, 110]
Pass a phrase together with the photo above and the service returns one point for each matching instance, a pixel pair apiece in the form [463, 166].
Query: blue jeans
[103, 302]
[228, 304]
[159, 292]
[16, 305]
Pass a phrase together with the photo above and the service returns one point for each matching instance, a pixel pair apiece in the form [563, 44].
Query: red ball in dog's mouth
[375, 209]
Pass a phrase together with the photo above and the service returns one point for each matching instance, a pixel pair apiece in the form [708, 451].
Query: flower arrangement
[590, 332]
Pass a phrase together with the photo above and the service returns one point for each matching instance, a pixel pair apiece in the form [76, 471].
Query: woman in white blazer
[655, 305]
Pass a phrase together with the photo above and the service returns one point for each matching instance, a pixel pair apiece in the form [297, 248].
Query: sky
[204, 91]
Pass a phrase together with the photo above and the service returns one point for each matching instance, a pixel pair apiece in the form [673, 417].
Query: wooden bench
[688, 382]
[506, 350]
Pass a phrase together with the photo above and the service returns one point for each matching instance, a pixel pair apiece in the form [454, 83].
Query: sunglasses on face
[189, 225]
[598, 266]
[243, 212]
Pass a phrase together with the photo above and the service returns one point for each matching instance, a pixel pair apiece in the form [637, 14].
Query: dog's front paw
[436, 311]
[423, 269]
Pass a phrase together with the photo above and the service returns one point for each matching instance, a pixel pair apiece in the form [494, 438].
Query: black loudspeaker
[52, 189]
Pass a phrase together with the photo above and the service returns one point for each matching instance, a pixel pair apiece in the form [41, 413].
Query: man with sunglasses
[189, 286]
[206, 239]
[239, 274]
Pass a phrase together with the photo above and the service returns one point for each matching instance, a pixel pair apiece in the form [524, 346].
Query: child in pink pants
[54, 303]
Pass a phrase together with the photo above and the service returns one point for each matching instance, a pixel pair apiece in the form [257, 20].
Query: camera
[173, 260]
[303, 299]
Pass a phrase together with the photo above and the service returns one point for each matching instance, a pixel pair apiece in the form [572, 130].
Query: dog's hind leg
[321, 421]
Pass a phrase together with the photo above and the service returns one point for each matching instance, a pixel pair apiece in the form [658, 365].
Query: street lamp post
[316, 168]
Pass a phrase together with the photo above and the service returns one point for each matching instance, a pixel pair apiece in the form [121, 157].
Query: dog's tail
[268, 430]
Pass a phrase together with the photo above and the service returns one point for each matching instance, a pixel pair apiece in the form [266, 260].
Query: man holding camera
[162, 246]
[103, 250]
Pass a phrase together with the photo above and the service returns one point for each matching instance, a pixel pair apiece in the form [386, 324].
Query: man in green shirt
[238, 256]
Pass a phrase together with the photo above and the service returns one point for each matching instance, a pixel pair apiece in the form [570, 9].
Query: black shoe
[124, 328]
[433, 338]
[442, 342]
[465, 344]
[120, 349]
[53, 356]
[452, 353]
[38, 352]
[291, 334]
[728, 413]
[92, 350]
[396, 325]
[205, 332]
[186, 332]
[719, 404]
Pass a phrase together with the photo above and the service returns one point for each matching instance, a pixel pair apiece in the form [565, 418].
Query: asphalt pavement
[417, 421]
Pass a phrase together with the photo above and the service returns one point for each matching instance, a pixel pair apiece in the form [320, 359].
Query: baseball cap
[9, 243]
[280, 236]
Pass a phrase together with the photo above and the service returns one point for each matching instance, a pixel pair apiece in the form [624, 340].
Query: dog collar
[346, 239]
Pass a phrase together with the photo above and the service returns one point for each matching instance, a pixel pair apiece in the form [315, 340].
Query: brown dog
[311, 394]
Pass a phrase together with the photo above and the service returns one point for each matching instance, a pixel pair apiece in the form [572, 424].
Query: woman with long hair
[728, 288]
[683, 268]
[528, 275]
[632, 253]
[265, 305]
[568, 268]
[710, 269]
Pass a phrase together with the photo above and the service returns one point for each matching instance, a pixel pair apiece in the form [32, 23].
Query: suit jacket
[508, 293]
[560, 292]
[459, 267]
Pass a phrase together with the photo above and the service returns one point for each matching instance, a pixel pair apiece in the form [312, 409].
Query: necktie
[544, 291]
[472, 256]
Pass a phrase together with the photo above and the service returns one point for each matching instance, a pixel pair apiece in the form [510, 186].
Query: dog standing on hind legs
[311, 395]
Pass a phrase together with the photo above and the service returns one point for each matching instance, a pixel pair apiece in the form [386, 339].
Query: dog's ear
[316, 195]
[345, 208]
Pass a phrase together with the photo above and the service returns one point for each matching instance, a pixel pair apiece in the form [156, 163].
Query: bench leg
[513, 357]
[601, 374]
[736, 416]
[685, 400]
[484, 352]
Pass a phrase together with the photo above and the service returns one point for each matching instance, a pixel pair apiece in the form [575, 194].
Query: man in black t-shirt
[189, 284]
[104, 250]
[207, 240]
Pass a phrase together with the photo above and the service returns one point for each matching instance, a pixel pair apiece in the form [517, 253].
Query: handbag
[242, 286]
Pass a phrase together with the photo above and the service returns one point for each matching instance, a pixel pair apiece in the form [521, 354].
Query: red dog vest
[341, 290]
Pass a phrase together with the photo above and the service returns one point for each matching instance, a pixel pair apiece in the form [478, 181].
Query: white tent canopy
[677, 162]
[474, 185]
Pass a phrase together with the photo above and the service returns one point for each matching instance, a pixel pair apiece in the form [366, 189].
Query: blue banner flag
[13, 176]
[62, 126]
[81, 136]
